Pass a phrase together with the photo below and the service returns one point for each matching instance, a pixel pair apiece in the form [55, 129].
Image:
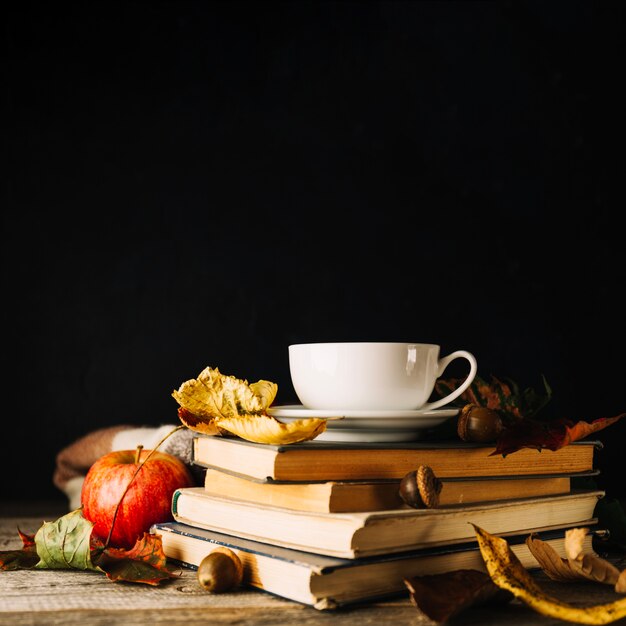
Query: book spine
[175, 497]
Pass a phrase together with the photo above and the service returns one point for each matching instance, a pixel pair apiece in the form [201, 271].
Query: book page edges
[324, 564]
[361, 518]
[425, 444]
[356, 535]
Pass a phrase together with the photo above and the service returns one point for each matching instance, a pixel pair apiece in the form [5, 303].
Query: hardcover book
[379, 495]
[355, 535]
[327, 583]
[326, 461]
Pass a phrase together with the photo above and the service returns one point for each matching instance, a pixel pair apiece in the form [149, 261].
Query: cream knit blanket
[73, 461]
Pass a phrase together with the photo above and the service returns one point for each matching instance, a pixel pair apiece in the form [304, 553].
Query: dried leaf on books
[551, 435]
[216, 404]
[500, 394]
[266, 429]
[518, 409]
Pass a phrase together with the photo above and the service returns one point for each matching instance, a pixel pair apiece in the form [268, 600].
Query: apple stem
[137, 454]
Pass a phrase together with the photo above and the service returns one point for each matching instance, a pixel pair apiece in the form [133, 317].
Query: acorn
[220, 570]
[420, 488]
[479, 424]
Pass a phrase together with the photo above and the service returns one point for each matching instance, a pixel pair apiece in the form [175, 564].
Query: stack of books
[323, 523]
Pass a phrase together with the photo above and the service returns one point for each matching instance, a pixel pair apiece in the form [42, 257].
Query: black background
[204, 183]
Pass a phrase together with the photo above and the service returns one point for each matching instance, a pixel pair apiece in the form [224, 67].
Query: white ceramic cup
[372, 375]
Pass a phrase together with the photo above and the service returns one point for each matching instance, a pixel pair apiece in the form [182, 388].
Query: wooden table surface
[51, 597]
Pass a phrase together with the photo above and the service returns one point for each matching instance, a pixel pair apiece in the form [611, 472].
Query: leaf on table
[588, 566]
[22, 558]
[441, 596]
[577, 566]
[553, 565]
[145, 562]
[68, 543]
[507, 572]
[551, 435]
[27, 540]
[65, 543]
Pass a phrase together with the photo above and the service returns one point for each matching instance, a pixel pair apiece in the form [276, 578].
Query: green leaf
[65, 543]
[68, 544]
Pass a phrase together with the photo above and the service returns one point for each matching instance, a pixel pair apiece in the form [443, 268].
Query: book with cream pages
[380, 495]
[328, 582]
[369, 533]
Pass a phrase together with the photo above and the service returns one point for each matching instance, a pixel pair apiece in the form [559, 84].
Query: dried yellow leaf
[206, 426]
[266, 429]
[574, 538]
[215, 404]
[213, 395]
[553, 565]
[588, 566]
[507, 572]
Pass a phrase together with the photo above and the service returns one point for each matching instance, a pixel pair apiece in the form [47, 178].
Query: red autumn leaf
[145, 562]
[27, 540]
[550, 435]
[22, 558]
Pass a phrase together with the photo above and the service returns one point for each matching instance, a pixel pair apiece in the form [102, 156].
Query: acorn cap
[429, 486]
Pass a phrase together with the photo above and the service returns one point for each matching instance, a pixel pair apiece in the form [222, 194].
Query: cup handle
[442, 364]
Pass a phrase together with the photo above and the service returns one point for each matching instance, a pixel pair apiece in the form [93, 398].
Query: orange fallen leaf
[145, 562]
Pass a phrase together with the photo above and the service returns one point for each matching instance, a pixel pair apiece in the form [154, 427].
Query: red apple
[147, 501]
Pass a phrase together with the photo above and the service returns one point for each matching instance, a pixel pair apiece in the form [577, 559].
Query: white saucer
[370, 435]
[365, 420]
